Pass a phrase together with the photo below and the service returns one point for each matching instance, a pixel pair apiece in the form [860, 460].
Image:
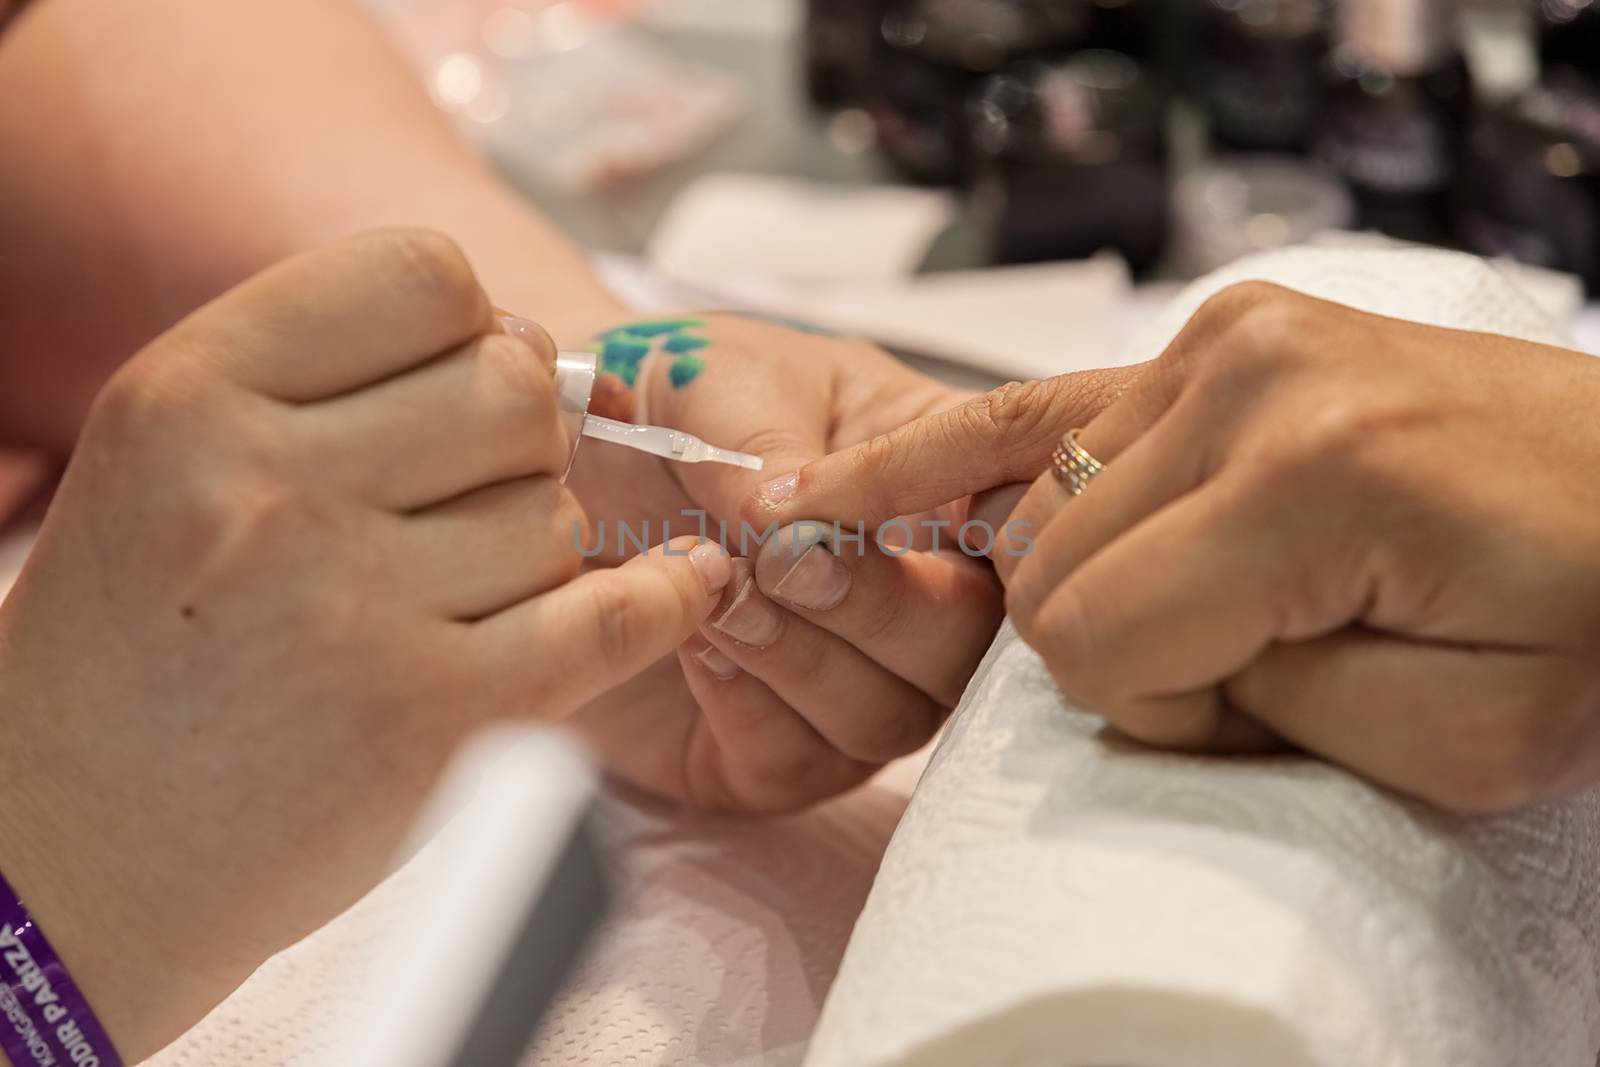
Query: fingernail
[713, 565]
[719, 665]
[530, 333]
[817, 581]
[778, 490]
[750, 619]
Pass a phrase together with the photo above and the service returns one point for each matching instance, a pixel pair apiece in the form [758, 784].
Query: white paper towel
[1055, 898]
[725, 939]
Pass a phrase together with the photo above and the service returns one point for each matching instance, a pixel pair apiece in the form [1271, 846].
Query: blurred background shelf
[1176, 133]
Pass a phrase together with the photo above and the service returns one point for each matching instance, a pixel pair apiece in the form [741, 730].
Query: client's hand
[1376, 540]
[817, 667]
[308, 539]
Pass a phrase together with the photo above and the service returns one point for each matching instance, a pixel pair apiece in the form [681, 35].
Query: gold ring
[1073, 466]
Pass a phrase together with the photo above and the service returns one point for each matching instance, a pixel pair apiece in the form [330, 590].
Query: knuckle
[270, 511]
[139, 395]
[568, 526]
[572, 519]
[1022, 601]
[772, 442]
[1343, 425]
[1245, 328]
[1228, 307]
[238, 535]
[1347, 439]
[430, 268]
[617, 630]
[1059, 631]
[780, 778]
[1161, 724]
[885, 618]
[881, 456]
[1015, 412]
[889, 733]
[884, 464]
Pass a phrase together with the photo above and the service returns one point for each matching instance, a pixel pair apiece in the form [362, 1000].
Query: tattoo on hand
[624, 348]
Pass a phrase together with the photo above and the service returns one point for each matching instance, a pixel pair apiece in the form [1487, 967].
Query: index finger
[996, 439]
[338, 319]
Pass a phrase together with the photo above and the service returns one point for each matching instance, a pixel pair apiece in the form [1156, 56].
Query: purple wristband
[44, 1020]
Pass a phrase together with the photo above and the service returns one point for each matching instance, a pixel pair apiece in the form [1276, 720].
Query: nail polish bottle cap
[576, 373]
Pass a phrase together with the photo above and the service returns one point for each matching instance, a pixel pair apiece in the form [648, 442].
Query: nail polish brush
[576, 374]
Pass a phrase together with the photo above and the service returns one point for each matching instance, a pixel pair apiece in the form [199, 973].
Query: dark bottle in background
[1257, 72]
[931, 57]
[1398, 115]
[1532, 188]
[1136, 28]
[1569, 39]
[1072, 155]
[840, 37]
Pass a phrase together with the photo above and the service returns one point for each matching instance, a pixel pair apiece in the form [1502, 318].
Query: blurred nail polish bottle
[1569, 40]
[1532, 189]
[839, 39]
[1073, 159]
[1398, 115]
[1258, 72]
[932, 55]
[1136, 28]
[1251, 202]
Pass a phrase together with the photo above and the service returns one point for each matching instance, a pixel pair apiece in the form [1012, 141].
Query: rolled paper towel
[1056, 898]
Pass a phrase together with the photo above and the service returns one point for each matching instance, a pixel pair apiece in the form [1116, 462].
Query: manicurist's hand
[308, 539]
[822, 661]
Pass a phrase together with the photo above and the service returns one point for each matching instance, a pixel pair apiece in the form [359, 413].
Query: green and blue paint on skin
[623, 349]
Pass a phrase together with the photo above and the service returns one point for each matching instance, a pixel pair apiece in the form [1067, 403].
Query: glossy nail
[778, 490]
[531, 334]
[712, 564]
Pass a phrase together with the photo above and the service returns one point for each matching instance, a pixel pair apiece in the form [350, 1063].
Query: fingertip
[531, 334]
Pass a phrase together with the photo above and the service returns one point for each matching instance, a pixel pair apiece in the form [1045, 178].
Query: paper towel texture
[1055, 898]
[721, 949]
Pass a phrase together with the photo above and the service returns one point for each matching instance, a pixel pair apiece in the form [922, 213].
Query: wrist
[84, 880]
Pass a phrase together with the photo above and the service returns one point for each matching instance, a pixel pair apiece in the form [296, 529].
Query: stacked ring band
[1074, 467]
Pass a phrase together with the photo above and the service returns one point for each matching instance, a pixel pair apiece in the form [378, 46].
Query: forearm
[158, 153]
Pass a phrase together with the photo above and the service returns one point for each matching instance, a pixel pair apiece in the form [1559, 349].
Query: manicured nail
[529, 333]
[778, 490]
[750, 618]
[719, 665]
[713, 565]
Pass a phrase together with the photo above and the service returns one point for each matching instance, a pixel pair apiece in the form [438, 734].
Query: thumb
[992, 440]
[577, 641]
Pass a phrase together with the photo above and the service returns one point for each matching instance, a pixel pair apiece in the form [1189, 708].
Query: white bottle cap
[576, 373]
